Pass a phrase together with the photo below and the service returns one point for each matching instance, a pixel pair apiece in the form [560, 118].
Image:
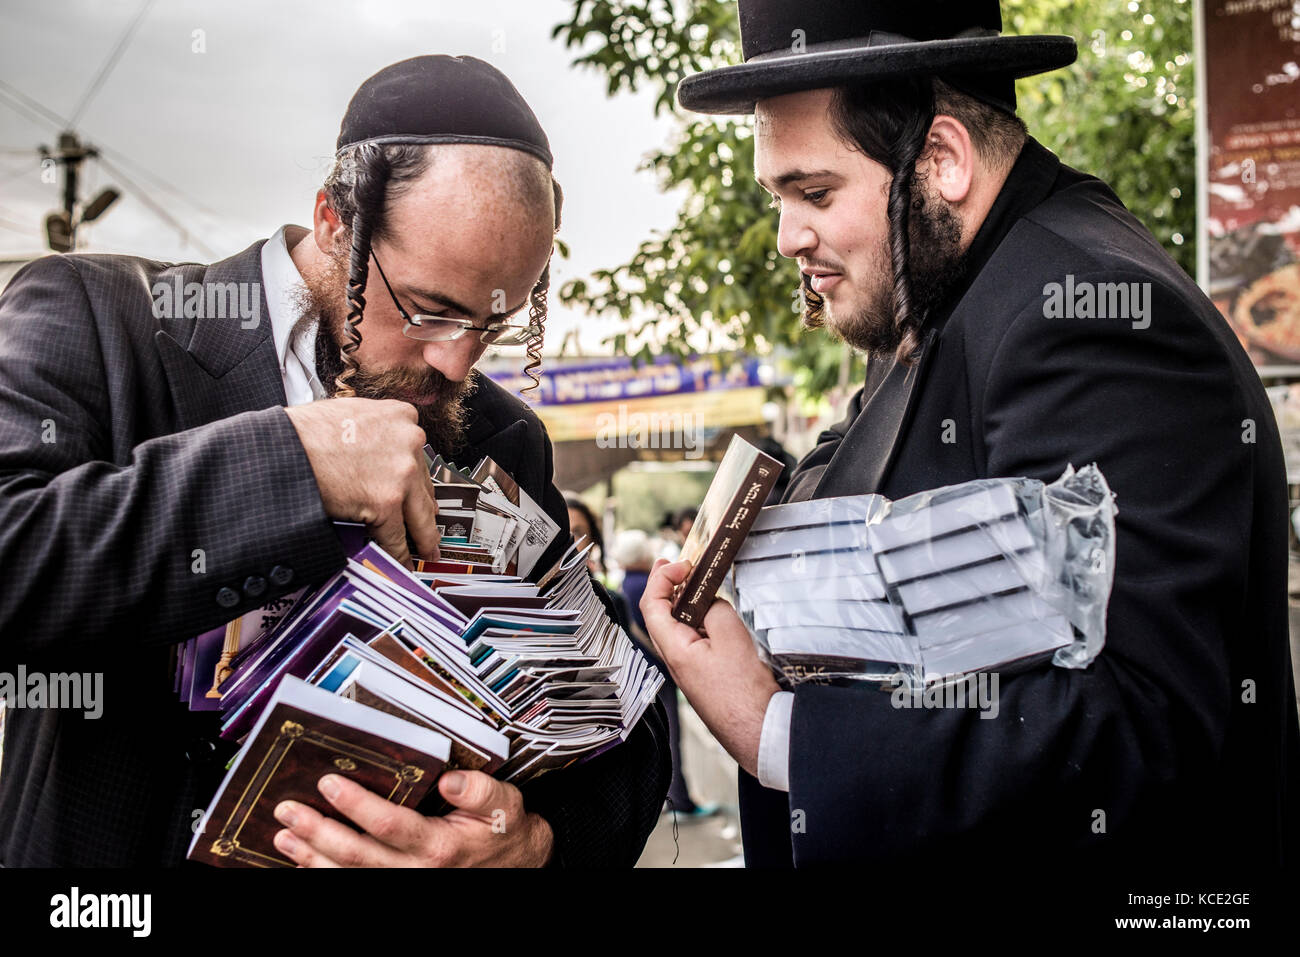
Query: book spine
[702, 583]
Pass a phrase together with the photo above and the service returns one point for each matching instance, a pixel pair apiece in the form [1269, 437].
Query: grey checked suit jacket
[129, 442]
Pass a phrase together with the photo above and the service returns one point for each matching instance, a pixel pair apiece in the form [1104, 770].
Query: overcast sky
[245, 130]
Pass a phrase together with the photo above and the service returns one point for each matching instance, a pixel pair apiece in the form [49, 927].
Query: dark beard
[937, 263]
[443, 421]
[936, 267]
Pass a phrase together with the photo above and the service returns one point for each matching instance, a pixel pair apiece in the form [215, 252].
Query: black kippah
[442, 99]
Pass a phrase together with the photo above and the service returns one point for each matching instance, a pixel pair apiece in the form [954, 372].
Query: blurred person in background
[684, 521]
[583, 524]
[667, 543]
[634, 552]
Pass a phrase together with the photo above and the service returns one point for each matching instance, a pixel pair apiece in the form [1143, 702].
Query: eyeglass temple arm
[400, 311]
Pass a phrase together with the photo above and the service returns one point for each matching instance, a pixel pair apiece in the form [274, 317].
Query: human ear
[327, 229]
[949, 159]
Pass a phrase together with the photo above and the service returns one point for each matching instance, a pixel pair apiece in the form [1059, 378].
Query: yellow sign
[653, 423]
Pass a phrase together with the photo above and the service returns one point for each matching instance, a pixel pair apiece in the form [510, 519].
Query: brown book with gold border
[305, 733]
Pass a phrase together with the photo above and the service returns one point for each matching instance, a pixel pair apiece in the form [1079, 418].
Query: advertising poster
[1251, 164]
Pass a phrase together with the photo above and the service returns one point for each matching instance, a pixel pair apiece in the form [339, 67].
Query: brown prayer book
[305, 733]
[739, 489]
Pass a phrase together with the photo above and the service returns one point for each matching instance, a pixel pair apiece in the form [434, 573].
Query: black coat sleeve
[99, 540]
[1131, 737]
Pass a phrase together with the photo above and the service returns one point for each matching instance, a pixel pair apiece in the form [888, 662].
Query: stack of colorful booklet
[391, 676]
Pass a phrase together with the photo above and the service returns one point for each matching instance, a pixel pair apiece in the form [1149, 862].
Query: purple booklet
[353, 536]
[400, 576]
[334, 626]
[273, 644]
[211, 661]
[201, 668]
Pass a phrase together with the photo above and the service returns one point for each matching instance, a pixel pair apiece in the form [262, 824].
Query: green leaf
[1094, 118]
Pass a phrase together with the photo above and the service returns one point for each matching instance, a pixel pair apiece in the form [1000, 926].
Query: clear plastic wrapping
[940, 584]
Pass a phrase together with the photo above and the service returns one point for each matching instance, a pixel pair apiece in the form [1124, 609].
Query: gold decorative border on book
[226, 843]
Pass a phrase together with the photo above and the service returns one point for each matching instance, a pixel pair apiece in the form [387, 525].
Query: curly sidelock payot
[368, 194]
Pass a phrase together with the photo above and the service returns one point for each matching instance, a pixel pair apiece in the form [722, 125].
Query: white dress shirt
[283, 286]
[774, 742]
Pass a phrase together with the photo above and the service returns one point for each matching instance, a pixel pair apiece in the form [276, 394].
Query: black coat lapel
[221, 368]
[504, 447]
[863, 459]
[220, 344]
[201, 397]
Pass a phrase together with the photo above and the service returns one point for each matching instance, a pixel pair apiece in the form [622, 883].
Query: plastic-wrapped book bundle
[943, 583]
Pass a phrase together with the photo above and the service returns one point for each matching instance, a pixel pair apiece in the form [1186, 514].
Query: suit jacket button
[282, 574]
[227, 598]
[199, 750]
[254, 585]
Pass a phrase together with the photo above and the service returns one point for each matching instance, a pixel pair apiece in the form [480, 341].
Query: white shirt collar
[284, 287]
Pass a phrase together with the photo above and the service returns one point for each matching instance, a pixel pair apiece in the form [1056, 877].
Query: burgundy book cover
[463, 756]
[292, 750]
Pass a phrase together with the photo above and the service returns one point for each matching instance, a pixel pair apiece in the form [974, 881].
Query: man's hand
[488, 828]
[368, 458]
[717, 667]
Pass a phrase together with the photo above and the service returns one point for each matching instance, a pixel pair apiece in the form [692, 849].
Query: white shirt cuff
[774, 742]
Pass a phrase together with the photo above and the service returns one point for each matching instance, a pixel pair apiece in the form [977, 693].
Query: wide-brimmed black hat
[792, 45]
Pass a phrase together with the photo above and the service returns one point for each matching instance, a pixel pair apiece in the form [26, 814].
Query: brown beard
[936, 265]
[444, 420]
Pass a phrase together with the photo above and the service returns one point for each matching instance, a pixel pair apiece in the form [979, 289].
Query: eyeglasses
[444, 329]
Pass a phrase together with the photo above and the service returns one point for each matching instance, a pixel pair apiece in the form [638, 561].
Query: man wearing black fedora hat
[936, 236]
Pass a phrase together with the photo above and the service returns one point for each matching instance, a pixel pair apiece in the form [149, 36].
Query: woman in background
[583, 524]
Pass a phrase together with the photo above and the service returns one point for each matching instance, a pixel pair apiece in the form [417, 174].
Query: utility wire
[16, 105]
[18, 227]
[144, 197]
[13, 174]
[158, 182]
[109, 63]
[20, 101]
[58, 122]
[140, 170]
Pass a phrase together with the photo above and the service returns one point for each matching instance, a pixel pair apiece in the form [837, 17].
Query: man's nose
[455, 358]
[794, 237]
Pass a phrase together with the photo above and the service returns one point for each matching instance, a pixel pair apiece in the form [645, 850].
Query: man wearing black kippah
[195, 473]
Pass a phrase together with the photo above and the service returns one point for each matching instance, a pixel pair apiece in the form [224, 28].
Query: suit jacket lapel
[201, 397]
[503, 447]
[223, 369]
[221, 344]
[861, 462]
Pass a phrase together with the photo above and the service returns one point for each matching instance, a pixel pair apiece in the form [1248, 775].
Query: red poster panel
[1251, 59]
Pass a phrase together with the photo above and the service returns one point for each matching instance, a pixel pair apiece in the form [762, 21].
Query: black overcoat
[1183, 732]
